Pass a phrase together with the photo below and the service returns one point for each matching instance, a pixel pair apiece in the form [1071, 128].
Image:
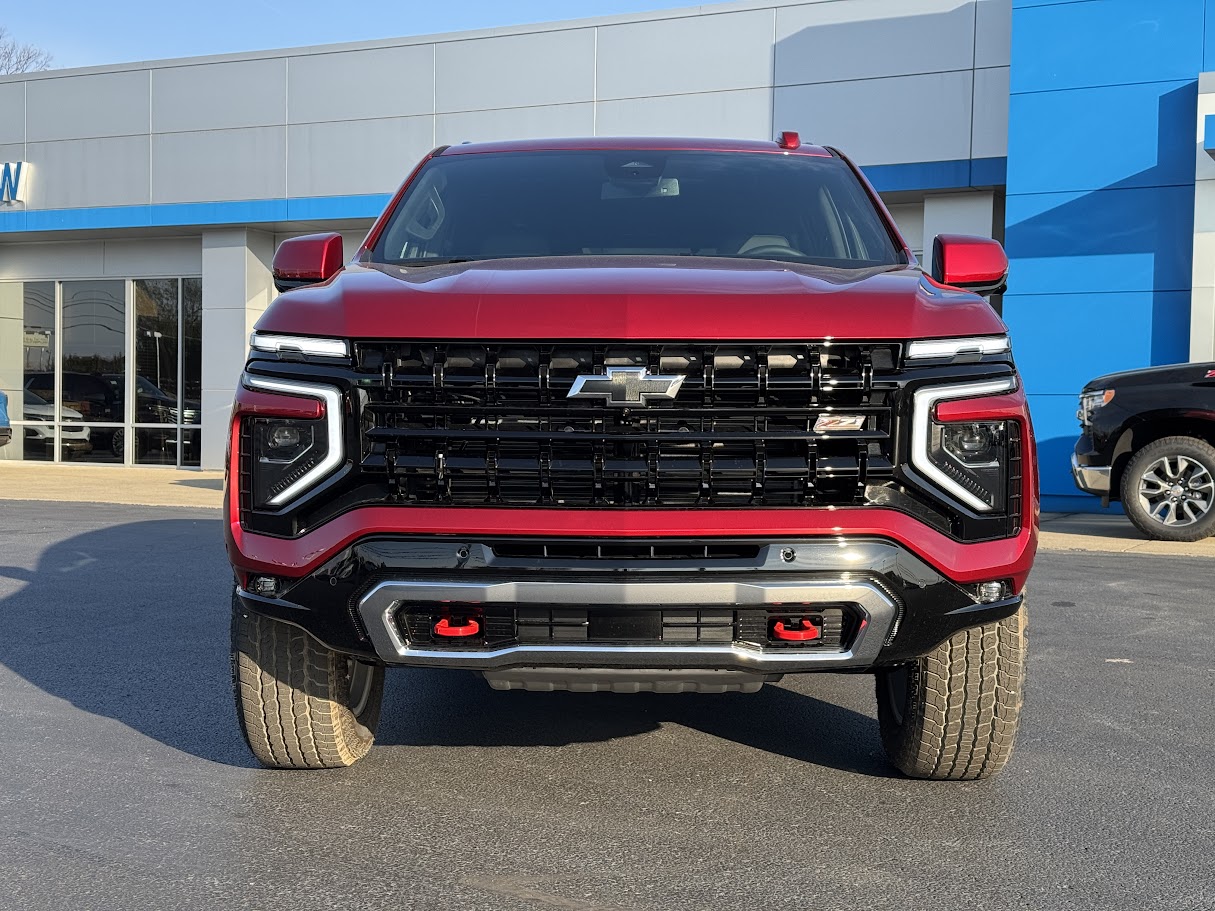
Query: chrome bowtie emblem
[623, 386]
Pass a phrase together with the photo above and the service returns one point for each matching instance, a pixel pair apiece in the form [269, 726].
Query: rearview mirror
[976, 264]
[307, 260]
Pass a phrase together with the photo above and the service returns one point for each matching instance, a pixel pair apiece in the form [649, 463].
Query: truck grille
[472, 424]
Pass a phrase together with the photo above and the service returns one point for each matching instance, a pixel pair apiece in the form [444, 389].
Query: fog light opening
[990, 592]
[264, 585]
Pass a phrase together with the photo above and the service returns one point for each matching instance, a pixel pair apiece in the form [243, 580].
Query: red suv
[612, 414]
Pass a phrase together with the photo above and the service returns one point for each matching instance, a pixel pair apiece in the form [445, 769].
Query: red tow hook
[805, 633]
[447, 629]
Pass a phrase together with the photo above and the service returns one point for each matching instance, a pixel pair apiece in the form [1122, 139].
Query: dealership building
[140, 204]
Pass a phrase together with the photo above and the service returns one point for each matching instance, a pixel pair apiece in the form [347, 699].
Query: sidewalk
[79, 483]
[1110, 533]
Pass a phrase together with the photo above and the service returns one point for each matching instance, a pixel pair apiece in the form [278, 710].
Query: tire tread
[291, 695]
[964, 704]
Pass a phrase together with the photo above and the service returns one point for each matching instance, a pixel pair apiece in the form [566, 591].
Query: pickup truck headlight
[974, 454]
[295, 449]
[968, 459]
[1090, 402]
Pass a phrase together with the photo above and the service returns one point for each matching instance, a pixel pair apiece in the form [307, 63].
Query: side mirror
[976, 264]
[307, 260]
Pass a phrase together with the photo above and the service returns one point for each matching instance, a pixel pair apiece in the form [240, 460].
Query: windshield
[794, 208]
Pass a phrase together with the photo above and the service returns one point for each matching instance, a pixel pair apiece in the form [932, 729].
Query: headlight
[1090, 402]
[974, 454]
[293, 451]
[284, 451]
[967, 459]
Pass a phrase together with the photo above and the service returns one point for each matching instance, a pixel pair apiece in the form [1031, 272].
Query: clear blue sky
[89, 33]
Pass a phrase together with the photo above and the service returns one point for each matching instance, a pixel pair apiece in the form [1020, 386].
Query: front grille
[470, 424]
[702, 552]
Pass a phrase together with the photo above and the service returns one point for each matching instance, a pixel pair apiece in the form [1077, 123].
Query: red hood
[647, 298]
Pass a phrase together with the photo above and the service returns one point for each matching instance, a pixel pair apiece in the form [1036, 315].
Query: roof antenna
[789, 140]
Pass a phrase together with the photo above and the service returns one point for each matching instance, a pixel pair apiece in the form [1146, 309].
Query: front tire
[300, 705]
[953, 714]
[1168, 489]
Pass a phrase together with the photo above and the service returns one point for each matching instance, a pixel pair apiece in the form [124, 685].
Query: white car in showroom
[40, 438]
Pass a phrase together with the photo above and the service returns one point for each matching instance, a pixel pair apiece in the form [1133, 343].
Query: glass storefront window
[157, 306]
[94, 324]
[38, 442]
[27, 347]
[90, 379]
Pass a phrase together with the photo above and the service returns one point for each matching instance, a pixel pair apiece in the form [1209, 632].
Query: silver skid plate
[618, 680]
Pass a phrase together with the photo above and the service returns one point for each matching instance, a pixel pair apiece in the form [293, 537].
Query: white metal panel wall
[12, 114]
[1202, 279]
[889, 81]
[143, 258]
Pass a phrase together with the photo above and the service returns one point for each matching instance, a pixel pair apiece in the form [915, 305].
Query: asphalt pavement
[124, 783]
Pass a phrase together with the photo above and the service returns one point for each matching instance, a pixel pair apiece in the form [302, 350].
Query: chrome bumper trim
[1095, 480]
[379, 606]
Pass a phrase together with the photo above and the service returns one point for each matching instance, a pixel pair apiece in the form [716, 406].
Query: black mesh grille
[475, 424]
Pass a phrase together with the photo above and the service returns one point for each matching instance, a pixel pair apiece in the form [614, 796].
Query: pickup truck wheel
[1168, 489]
[300, 705]
[953, 714]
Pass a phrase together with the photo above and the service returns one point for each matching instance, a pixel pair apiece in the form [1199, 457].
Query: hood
[1152, 376]
[629, 298]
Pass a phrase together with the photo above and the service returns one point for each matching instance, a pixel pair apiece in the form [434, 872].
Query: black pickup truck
[1146, 440]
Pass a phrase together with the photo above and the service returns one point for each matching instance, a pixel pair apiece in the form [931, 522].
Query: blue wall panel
[1106, 240]
[1056, 428]
[1098, 138]
[1105, 42]
[1051, 334]
[1100, 206]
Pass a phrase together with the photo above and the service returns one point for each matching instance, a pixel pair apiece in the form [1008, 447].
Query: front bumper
[380, 598]
[877, 611]
[1094, 479]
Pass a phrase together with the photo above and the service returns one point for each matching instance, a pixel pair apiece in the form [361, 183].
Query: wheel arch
[1152, 427]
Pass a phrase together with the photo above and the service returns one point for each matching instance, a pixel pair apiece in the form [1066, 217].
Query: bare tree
[20, 58]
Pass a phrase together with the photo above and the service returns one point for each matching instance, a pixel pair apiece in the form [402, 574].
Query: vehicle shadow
[458, 708]
[201, 483]
[130, 622]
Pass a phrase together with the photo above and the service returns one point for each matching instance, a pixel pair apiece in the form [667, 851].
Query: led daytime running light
[953, 347]
[333, 423]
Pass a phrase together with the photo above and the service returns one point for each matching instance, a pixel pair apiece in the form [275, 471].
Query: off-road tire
[1169, 447]
[293, 696]
[953, 714]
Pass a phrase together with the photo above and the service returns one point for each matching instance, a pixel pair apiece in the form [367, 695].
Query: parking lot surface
[124, 783]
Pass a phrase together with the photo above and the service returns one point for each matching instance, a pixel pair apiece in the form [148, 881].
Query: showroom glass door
[106, 370]
[92, 385]
[168, 371]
